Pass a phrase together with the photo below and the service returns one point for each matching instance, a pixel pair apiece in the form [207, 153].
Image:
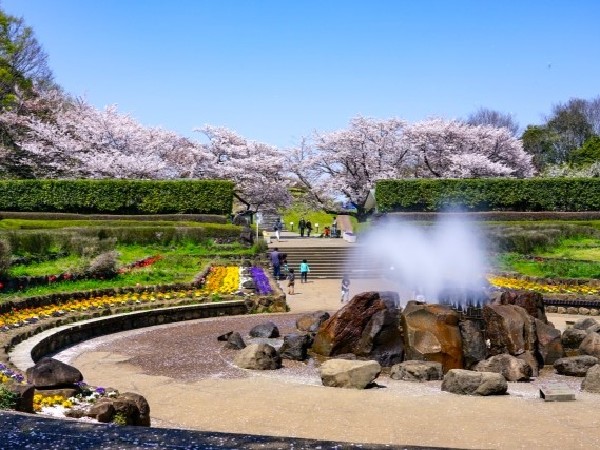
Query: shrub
[118, 196]
[5, 256]
[531, 194]
[104, 265]
[36, 243]
[8, 399]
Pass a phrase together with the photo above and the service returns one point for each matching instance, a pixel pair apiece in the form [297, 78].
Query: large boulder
[142, 417]
[414, 370]
[258, 357]
[265, 330]
[368, 326]
[50, 372]
[295, 346]
[532, 302]
[585, 323]
[510, 367]
[311, 322]
[473, 342]
[591, 382]
[510, 329]
[572, 337]
[575, 366]
[346, 373]
[590, 345]
[549, 342]
[467, 382]
[431, 333]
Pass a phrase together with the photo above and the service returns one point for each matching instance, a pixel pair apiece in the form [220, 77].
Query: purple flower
[261, 281]
[100, 390]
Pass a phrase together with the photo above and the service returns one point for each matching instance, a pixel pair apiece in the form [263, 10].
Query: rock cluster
[50, 377]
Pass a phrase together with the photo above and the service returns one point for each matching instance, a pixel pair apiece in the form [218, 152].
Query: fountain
[442, 263]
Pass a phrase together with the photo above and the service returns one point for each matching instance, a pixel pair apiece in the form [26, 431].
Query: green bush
[8, 399]
[118, 196]
[489, 194]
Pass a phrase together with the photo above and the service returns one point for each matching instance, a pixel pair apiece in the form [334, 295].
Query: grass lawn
[179, 263]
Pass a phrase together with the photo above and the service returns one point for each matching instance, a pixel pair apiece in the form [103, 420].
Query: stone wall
[90, 325]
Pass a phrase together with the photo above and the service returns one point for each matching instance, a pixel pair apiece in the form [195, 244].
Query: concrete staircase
[331, 262]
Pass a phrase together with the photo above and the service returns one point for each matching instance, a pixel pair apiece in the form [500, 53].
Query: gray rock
[510, 367]
[591, 382]
[224, 337]
[583, 324]
[572, 337]
[473, 342]
[532, 361]
[295, 346]
[50, 372]
[235, 342]
[575, 366]
[265, 330]
[590, 345]
[414, 370]
[345, 373]
[258, 357]
[249, 284]
[466, 382]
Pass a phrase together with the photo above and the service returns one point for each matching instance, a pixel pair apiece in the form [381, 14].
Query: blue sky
[275, 71]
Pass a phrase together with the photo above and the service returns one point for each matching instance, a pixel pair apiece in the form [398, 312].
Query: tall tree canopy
[347, 163]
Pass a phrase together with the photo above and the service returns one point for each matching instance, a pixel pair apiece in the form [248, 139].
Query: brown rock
[340, 333]
[590, 345]
[50, 372]
[511, 367]
[24, 396]
[532, 302]
[103, 411]
[473, 342]
[509, 328]
[312, 322]
[431, 333]
[141, 419]
[549, 342]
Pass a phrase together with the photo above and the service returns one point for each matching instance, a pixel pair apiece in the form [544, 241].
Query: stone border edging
[29, 350]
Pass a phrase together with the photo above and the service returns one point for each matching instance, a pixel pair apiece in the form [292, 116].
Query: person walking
[334, 228]
[275, 261]
[308, 228]
[304, 269]
[291, 281]
[277, 228]
[302, 226]
[345, 288]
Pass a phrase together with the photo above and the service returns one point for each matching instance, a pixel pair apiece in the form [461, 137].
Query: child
[304, 269]
[291, 278]
[345, 288]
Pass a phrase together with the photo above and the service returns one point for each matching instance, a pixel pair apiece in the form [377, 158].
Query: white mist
[427, 260]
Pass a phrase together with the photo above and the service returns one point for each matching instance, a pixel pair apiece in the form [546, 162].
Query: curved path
[192, 384]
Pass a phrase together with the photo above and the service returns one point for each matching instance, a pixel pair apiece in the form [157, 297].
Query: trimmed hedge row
[118, 196]
[212, 218]
[489, 194]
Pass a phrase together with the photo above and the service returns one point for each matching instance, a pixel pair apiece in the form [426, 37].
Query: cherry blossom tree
[347, 163]
[78, 140]
[256, 168]
[453, 149]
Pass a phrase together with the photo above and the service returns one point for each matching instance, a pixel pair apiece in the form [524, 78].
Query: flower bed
[261, 281]
[22, 282]
[543, 286]
[217, 281]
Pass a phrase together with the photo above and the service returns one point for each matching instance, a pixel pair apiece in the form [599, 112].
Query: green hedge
[118, 196]
[489, 194]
